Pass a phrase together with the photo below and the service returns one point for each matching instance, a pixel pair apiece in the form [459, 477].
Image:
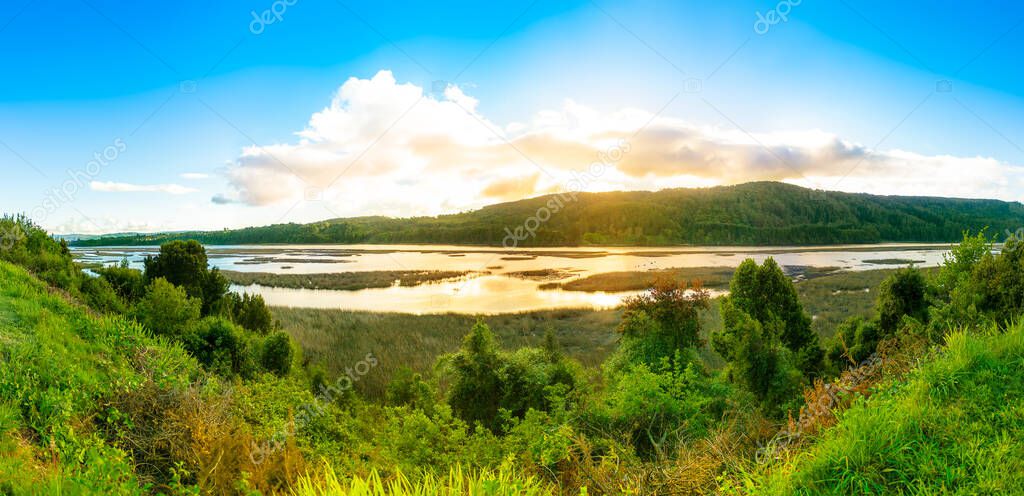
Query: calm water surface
[490, 288]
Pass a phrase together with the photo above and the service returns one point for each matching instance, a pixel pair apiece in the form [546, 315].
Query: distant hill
[762, 213]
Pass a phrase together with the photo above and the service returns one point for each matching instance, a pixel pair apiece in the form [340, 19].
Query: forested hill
[764, 213]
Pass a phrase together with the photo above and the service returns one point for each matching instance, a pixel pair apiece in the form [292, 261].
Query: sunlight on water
[491, 288]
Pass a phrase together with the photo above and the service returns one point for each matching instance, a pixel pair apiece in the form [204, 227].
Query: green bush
[221, 346]
[511, 382]
[166, 309]
[277, 353]
[130, 284]
[408, 388]
[100, 296]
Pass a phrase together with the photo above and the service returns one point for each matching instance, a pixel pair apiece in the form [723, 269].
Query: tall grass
[503, 482]
[340, 339]
[954, 426]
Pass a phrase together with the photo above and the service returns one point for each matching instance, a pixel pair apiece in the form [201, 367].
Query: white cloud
[382, 147]
[194, 176]
[112, 187]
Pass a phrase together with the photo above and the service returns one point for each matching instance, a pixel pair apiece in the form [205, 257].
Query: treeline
[763, 213]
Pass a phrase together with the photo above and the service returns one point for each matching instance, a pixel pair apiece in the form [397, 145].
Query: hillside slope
[59, 366]
[955, 426]
[763, 213]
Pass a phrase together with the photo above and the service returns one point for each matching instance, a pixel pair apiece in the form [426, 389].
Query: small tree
[757, 359]
[166, 309]
[475, 389]
[658, 324]
[220, 346]
[184, 263]
[278, 353]
[769, 297]
[252, 313]
[903, 293]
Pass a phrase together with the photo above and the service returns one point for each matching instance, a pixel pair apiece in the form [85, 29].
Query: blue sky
[294, 120]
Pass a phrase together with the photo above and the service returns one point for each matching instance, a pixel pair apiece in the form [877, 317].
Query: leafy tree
[769, 297]
[184, 263]
[657, 324]
[757, 359]
[998, 282]
[166, 309]
[277, 353]
[251, 312]
[959, 263]
[475, 389]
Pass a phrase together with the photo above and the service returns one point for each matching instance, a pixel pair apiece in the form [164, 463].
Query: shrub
[484, 381]
[251, 312]
[128, 283]
[100, 296]
[408, 388]
[769, 297]
[166, 309]
[902, 293]
[657, 411]
[220, 346]
[277, 354]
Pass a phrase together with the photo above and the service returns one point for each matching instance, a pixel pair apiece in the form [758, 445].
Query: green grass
[954, 426]
[58, 362]
[502, 482]
[343, 280]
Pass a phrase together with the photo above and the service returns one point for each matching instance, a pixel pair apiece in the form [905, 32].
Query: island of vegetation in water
[763, 213]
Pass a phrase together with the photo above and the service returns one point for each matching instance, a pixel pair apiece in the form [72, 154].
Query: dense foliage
[747, 214]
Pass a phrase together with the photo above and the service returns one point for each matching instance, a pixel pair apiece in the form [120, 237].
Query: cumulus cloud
[113, 187]
[384, 147]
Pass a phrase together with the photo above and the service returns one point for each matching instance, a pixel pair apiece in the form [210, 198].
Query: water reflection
[491, 288]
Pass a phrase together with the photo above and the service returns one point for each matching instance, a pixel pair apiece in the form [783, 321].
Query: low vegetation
[182, 388]
[344, 280]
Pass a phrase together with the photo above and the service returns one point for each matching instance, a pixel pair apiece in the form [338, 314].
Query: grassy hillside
[61, 366]
[954, 426]
[748, 214]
